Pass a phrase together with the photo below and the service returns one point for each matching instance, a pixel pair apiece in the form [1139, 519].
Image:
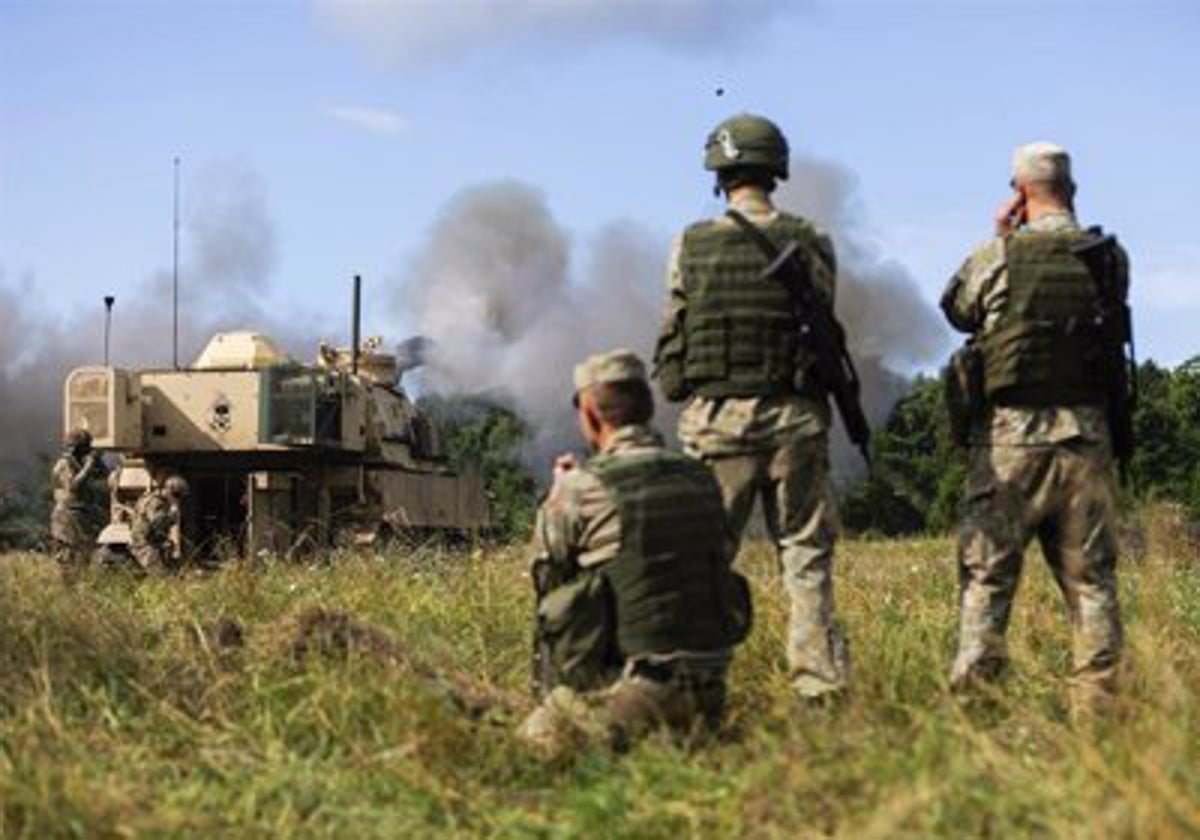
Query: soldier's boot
[563, 722]
[1095, 673]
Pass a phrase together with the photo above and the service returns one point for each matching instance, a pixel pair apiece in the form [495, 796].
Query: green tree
[916, 479]
[482, 433]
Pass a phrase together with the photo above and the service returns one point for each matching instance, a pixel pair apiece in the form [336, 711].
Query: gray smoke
[227, 257]
[493, 288]
[416, 30]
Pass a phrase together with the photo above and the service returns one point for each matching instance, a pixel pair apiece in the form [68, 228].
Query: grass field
[185, 708]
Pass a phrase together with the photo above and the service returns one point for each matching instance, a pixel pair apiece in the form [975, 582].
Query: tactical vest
[741, 332]
[671, 583]
[1046, 347]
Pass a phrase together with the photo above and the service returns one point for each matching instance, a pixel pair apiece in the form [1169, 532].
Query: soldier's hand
[1011, 215]
[564, 464]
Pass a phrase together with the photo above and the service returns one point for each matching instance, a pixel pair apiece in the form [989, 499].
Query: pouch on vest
[575, 635]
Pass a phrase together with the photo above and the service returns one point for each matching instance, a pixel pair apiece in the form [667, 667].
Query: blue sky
[358, 121]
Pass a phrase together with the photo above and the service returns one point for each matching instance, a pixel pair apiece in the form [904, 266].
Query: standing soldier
[638, 608]
[732, 345]
[72, 532]
[1044, 303]
[155, 540]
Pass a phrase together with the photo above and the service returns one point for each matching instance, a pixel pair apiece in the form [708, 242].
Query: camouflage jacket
[972, 302]
[70, 478]
[577, 524]
[578, 530]
[742, 425]
[155, 519]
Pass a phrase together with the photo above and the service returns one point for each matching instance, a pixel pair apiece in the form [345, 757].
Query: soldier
[1040, 448]
[154, 538]
[730, 345]
[71, 521]
[637, 607]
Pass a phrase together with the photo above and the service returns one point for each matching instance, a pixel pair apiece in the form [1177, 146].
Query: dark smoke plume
[227, 258]
[493, 289]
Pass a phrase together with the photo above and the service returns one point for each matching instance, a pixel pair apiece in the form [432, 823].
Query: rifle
[833, 368]
[1119, 356]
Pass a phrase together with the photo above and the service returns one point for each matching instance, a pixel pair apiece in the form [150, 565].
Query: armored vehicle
[279, 456]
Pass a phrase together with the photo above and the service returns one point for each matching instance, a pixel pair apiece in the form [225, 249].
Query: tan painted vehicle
[280, 457]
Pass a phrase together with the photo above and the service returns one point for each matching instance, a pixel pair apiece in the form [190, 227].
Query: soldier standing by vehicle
[638, 609]
[736, 343]
[72, 534]
[155, 541]
[1046, 383]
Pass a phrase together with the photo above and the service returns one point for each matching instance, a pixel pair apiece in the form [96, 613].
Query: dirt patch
[338, 636]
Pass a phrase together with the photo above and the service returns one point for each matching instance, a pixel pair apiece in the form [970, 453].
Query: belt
[656, 671]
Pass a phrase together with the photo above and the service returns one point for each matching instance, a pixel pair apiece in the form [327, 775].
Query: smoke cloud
[493, 288]
[228, 256]
[416, 30]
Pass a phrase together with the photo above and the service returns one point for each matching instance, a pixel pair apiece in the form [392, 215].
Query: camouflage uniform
[1044, 472]
[155, 531]
[776, 447]
[72, 531]
[603, 699]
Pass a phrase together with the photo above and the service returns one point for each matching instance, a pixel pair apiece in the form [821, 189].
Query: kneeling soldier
[638, 609]
[155, 539]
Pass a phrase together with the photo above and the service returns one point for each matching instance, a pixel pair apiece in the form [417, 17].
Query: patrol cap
[1041, 162]
[619, 365]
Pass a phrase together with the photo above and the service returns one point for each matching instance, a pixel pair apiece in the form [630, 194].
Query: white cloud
[407, 30]
[374, 120]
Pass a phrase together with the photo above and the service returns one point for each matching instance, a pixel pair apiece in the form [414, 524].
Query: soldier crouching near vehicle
[637, 609]
[1042, 401]
[155, 539]
[72, 528]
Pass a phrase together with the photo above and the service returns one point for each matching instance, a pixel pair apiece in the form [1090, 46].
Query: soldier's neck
[1039, 208]
[748, 194]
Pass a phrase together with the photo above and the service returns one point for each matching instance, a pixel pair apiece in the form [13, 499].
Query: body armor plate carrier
[1046, 348]
[671, 582]
[741, 332]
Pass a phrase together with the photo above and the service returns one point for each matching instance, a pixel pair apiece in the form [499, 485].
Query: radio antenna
[109, 300]
[175, 276]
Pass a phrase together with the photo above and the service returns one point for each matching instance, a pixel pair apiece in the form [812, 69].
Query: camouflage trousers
[1064, 494]
[70, 539]
[644, 698]
[154, 558]
[801, 515]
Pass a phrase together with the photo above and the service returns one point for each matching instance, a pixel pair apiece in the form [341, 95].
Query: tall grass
[135, 709]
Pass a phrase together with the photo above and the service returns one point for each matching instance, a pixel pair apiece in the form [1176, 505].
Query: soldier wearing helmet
[74, 477]
[155, 539]
[730, 346]
[1038, 430]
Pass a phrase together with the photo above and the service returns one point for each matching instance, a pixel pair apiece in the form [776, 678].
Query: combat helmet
[77, 439]
[176, 486]
[747, 140]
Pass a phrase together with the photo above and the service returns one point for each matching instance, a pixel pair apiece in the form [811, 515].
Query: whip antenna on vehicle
[175, 276]
[109, 300]
[356, 325]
